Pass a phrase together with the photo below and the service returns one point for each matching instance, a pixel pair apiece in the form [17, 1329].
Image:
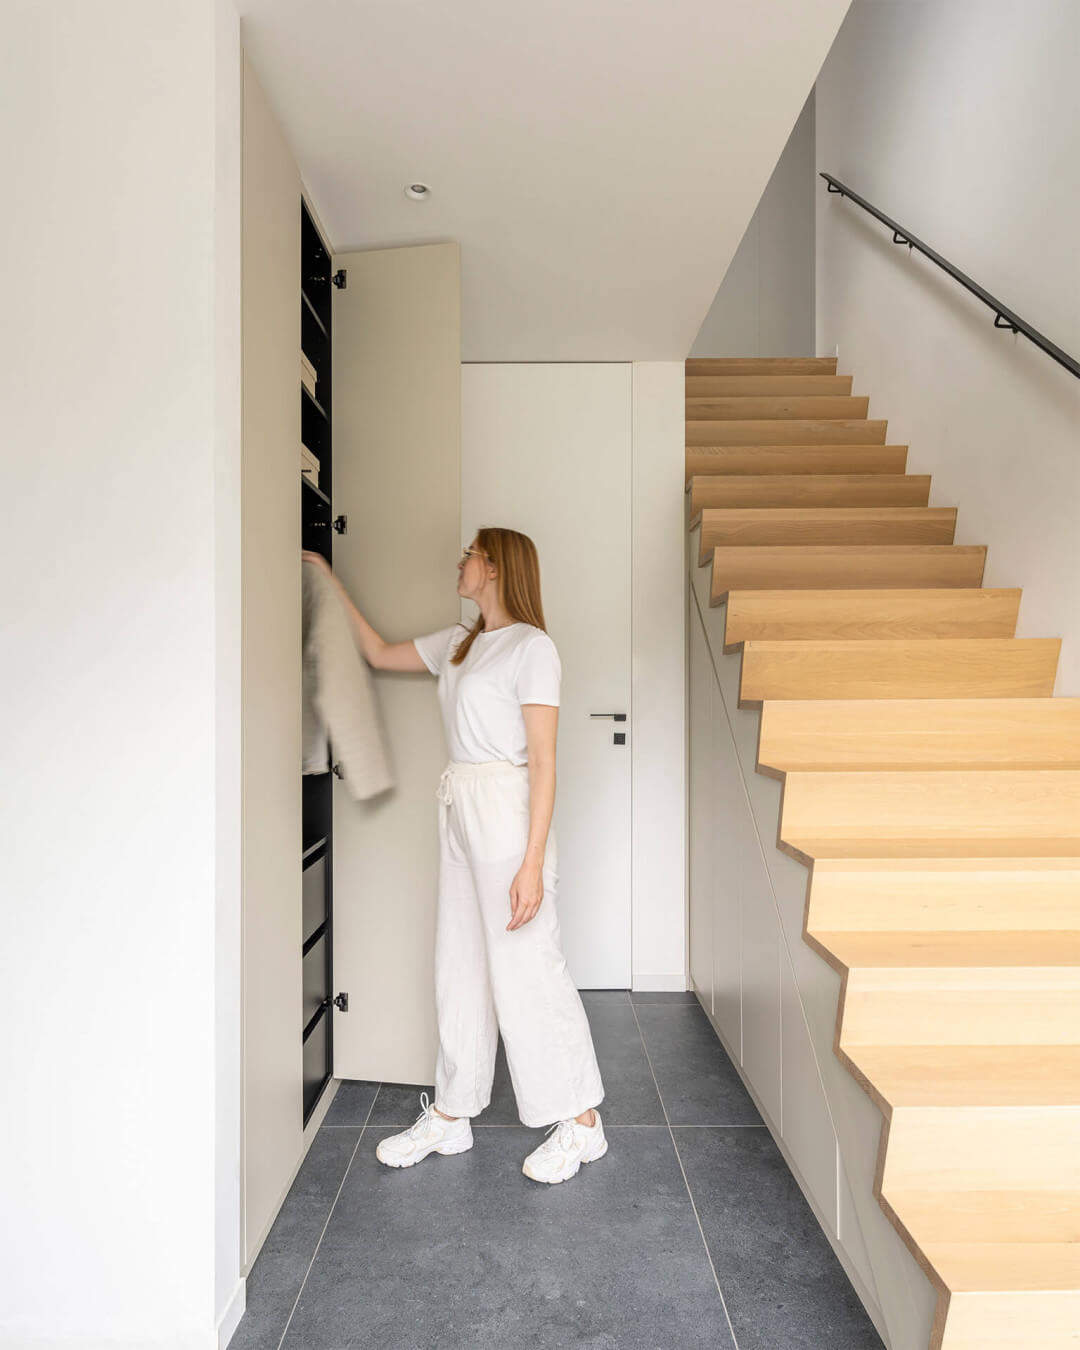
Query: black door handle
[618, 717]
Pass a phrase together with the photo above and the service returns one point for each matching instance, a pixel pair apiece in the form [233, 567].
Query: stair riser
[760, 365]
[780, 408]
[971, 668]
[822, 526]
[982, 1148]
[1037, 805]
[786, 431]
[844, 735]
[904, 566]
[805, 461]
[951, 901]
[766, 386]
[962, 1007]
[781, 616]
[737, 491]
[1018, 1320]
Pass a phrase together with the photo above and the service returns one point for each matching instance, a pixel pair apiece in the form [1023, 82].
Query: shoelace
[563, 1137]
[420, 1123]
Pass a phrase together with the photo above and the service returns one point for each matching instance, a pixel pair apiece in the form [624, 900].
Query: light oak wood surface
[820, 566]
[901, 668]
[788, 526]
[806, 490]
[891, 734]
[765, 386]
[706, 460]
[742, 408]
[786, 431]
[761, 365]
[796, 616]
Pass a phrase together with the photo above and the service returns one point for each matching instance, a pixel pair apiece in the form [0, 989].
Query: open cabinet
[338, 894]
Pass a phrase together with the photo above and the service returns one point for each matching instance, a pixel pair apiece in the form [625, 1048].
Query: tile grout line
[480, 1125]
[322, 1234]
[686, 1181]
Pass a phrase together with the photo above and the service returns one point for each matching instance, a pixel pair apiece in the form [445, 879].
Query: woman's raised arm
[375, 650]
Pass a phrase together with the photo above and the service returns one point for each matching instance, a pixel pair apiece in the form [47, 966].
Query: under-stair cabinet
[351, 448]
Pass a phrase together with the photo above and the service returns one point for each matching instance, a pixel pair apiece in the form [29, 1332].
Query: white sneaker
[430, 1133]
[561, 1154]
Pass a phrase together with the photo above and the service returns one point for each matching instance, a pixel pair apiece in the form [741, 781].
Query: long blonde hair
[517, 569]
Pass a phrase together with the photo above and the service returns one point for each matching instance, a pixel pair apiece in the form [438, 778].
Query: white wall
[765, 304]
[120, 805]
[959, 119]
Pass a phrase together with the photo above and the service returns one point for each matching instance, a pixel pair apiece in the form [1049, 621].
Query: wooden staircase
[931, 783]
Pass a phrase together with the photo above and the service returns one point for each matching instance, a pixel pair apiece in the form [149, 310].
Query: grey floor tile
[784, 1287]
[279, 1270]
[604, 995]
[351, 1103]
[663, 996]
[466, 1251]
[630, 1095]
[698, 1083]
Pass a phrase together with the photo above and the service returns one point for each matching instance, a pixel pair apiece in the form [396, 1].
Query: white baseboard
[230, 1318]
[660, 984]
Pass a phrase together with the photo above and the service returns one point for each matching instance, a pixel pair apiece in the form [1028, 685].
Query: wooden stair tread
[969, 1075]
[706, 386]
[988, 950]
[761, 365]
[824, 566]
[773, 407]
[806, 490]
[892, 734]
[984, 1266]
[730, 460]
[793, 616]
[845, 525]
[786, 431]
[902, 668]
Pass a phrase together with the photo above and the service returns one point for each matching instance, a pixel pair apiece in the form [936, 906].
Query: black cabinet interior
[317, 534]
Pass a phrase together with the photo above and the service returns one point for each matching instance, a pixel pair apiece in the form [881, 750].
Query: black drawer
[314, 903]
[316, 980]
[316, 1062]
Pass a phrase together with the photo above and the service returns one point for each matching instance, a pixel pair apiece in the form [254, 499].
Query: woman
[498, 962]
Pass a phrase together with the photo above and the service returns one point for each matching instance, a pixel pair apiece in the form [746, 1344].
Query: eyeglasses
[467, 553]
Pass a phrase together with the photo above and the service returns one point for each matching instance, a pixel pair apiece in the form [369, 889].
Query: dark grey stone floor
[689, 1233]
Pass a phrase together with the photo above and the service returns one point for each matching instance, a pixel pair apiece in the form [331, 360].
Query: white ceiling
[597, 160]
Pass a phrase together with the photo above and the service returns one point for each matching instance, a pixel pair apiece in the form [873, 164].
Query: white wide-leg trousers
[489, 980]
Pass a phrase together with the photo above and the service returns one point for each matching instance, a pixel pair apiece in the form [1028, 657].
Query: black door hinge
[339, 278]
[341, 524]
[341, 1002]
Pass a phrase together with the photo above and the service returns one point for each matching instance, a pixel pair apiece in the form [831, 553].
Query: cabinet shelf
[312, 488]
[314, 312]
[314, 402]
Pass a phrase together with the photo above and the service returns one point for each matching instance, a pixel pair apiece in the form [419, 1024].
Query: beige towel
[339, 694]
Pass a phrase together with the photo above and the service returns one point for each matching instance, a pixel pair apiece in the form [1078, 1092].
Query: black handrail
[1003, 316]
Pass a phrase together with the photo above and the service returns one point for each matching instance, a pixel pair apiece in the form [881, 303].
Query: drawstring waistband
[465, 769]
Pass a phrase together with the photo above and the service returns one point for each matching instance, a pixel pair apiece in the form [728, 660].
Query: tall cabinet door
[397, 480]
[271, 671]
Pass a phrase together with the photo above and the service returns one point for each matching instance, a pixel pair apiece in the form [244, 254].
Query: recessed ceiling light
[417, 191]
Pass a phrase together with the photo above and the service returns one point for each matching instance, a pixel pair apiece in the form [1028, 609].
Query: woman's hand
[317, 558]
[526, 892]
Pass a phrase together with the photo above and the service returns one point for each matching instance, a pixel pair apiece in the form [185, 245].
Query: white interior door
[546, 449]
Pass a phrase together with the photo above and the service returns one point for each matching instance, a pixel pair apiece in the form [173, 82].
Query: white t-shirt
[481, 698]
